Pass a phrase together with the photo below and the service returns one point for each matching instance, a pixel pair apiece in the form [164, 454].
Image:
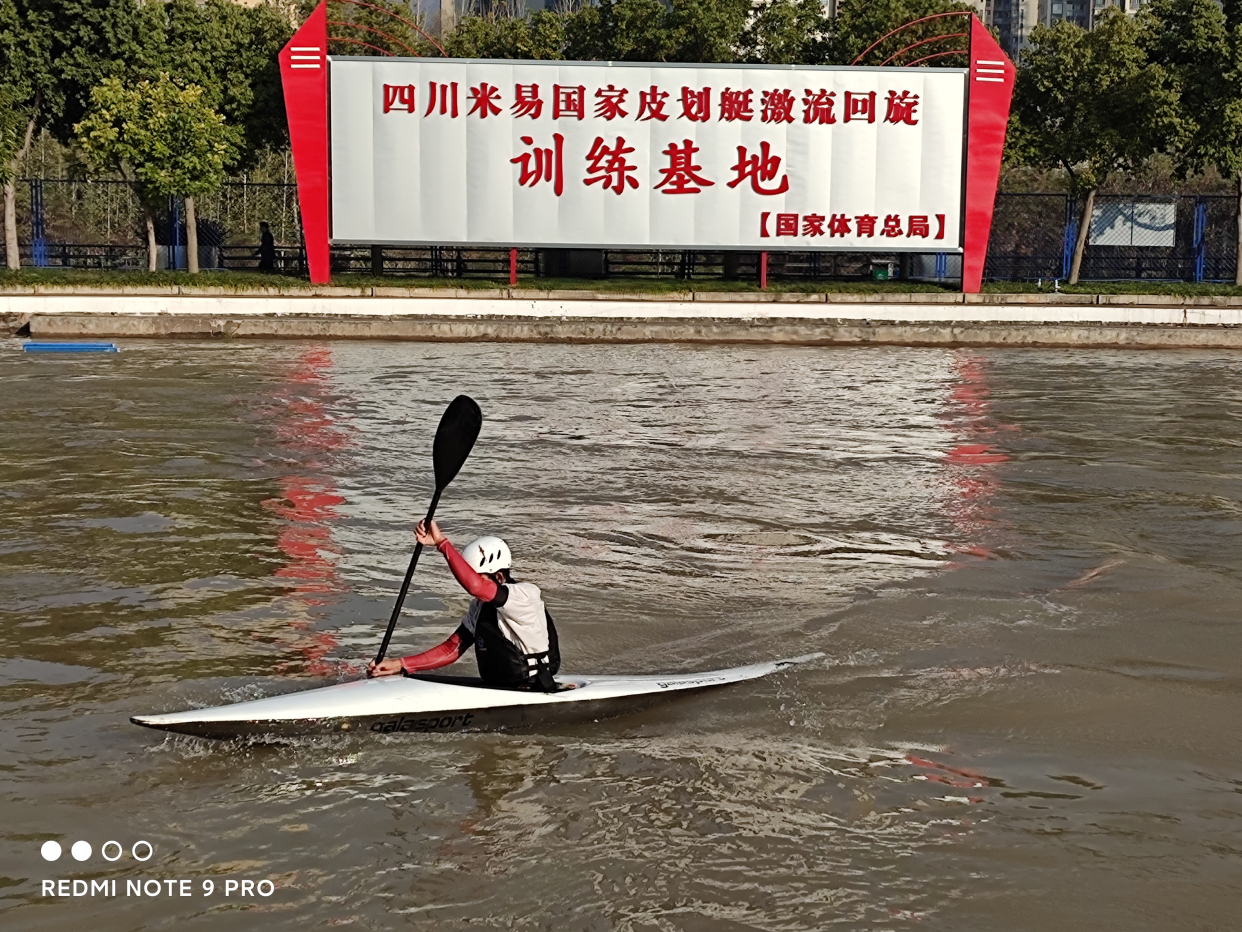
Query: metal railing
[99, 225]
[1132, 238]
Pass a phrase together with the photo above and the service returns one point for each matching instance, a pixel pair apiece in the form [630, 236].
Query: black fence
[1133, 237]
[100, 225]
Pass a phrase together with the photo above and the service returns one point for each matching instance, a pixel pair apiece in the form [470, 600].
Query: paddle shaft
[405, 583]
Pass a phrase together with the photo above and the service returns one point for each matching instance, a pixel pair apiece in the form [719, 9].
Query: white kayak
[430, 703]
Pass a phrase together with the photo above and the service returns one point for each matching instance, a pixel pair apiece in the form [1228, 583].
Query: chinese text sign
[607, 155]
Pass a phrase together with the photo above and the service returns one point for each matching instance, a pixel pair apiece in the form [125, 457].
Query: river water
[1024, 568]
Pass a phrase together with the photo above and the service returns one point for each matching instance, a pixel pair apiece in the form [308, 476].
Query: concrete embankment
[701, 317]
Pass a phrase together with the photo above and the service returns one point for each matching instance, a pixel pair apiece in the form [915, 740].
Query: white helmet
[487, 555]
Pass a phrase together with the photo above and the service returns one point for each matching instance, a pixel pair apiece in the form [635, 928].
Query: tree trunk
[11, 253]
[1237, 274]
[191, 236]
[1084, 227]
[152, 249]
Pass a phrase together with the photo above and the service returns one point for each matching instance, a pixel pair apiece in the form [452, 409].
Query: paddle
[459, 428]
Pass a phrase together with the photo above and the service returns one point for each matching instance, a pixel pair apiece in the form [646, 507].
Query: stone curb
[771, 330]
[533, 294]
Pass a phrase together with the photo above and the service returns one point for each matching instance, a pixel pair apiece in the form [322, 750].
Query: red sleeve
[478, 586]
[440, 656]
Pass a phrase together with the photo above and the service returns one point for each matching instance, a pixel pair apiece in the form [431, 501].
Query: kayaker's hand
[383, 668]
[432, 539]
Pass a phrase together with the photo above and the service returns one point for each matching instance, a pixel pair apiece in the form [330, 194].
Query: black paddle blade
[455, 437]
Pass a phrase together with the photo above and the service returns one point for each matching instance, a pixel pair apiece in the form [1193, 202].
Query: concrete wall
[938, 318]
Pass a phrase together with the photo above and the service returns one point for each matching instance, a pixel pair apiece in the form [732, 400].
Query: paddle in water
[455, 437]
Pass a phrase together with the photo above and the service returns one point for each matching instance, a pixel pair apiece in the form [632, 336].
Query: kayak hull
[496, 718]
[430, 704]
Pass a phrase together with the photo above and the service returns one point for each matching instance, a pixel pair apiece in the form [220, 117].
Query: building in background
[441, 16]
[1014, 20]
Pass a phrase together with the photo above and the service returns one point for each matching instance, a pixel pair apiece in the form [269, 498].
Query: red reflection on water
[308, 503]
[950, 776]
[973, 459]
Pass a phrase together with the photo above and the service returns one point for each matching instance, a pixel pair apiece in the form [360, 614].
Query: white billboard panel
[522, 153]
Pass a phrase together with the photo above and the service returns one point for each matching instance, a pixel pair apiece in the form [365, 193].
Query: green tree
[18, 117]
[230, 52]
[708, 30]
[1192, 42]
[787, 32]
[1091, 103]
[860, 23]
[383, 27]
[620, 30]
[538, 36]
[52, 52]
[162, 138]
[613, 30]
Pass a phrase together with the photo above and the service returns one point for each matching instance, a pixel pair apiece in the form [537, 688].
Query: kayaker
[513, 635]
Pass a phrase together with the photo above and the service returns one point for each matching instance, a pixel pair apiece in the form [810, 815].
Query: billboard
[594, 154]
[448, 152]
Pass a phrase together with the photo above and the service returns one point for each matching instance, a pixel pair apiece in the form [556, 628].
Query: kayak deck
[431, 703]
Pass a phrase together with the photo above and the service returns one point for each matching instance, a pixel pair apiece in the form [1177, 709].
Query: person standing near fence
[267, 248]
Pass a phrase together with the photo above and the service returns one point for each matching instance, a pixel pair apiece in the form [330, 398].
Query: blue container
[31, 347]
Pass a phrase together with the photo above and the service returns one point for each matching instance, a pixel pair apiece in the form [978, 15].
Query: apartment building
[1014, 19]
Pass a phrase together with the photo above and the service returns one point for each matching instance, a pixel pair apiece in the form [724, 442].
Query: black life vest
[502, 663]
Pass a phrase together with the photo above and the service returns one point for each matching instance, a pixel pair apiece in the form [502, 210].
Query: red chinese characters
[484, 99]
[860, 106]
[651, 104]
[901, 108]
[607, 164]
[446, 95]
[736, 105]
[682, 175]
[542, 164]
[838, 225]
[610, 100]
[760, 169]
[526, 101]
[777, 107]
[696, 106]
[568, 101]
[794, 116]
[399, 97]
[817, 106]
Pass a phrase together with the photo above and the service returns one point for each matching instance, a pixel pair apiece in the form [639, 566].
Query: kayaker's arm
[478, 585]
[441, 655]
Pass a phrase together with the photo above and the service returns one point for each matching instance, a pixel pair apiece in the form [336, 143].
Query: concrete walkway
[529, 315]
